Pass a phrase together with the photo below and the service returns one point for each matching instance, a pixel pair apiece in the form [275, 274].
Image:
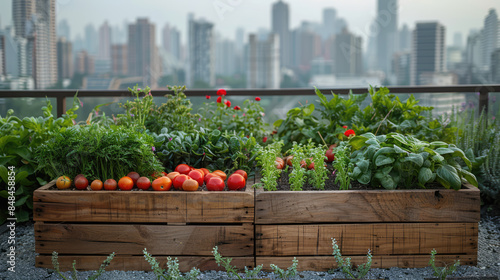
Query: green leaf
[308, 110]
[22, 215]
[357, 142]
[387, 182]
[459, 153]
[356, 172]
[4, 194]
[415, 158]
[449, 174]
[277, 123]
[399, 150]
[365, 178]
[384, 150]
[424, 175]
[469, 177]
[382, 160]
[3, 173]
[439, 144]
[21, 175]
[363, 165]
[399, 138]
[21, 201]
[443, 151]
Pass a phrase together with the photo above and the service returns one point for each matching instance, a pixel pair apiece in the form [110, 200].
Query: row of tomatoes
[280, 162]
[183, 178]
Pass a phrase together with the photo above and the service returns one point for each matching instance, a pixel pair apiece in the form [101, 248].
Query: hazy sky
[456, 15]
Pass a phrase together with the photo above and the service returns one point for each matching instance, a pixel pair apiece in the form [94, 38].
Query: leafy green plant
[297, 177]
[442, 272]
[289, 272]
[266, 157]
[18, 139]
[98, 153]
[230, 269]
[172, 272]
[139, 109]
[346, 266]
[319, 174]
[204, 148]
[342, 164]
[55, 263]
[394, 160]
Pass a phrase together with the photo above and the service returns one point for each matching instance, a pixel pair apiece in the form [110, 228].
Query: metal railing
[61, 95]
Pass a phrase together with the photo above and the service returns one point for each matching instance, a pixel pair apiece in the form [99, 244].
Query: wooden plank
[102, 239]
[325, 263]
[356, 239]
[144, 206]
[126, 263]
[358, 206]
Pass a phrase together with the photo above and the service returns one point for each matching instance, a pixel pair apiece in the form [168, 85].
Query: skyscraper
[22, 10]
[495, 66]
[105, 41]
[172, 41]
[64, 59]
[387, 25]
[281, 26]
[225, 57]
[63, 29]
[119, 60]
[142, 53]
[263, 62]
[84, 63]
[329, 22]
[306, 46]
[201, 43]
[428, 52]
[91, 39]
[348, 54]
[490, 38]
[46, 11]
[404, 38]
[457, 40]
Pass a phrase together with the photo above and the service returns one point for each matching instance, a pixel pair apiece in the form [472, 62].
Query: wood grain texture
[143, 206]
[166, 240]
[356, 239]
[325, 263]
[358, 206]
[126, 263]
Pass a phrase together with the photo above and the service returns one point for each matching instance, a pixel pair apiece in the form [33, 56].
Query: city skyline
[227, 18]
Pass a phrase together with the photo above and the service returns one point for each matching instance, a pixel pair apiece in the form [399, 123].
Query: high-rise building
[172, 41]
[495, 66]
[119, 60]
[490, 38]
[225, 57]
[201, 43]
[404, 38]
[387, 25]
[428, 52]
[401, 68]
[64, 59]
[91, 39]
[329, 22]
[457, 40]
[63, 29]
[281, 26]
[104, 41]
[263, 62]
[142, 54]
[306, 46]
[84, 63]
[46, 11]
[14, 52]
[22, 10]
[348, 54]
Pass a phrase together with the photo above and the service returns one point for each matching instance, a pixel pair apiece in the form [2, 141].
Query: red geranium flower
[345, 126]
[219, 99]
[349, 132]
[228, 103]
[208, 96]
[237, 108]
[264, 139]
[257, 98]
[221, 92]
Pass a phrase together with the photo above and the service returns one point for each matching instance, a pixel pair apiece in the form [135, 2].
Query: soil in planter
[330, 184]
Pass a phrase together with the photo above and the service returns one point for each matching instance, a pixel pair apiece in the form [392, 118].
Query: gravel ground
[488, 263]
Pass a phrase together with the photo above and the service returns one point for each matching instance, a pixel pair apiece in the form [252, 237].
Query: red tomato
[172, 175]
[216, 184]
[81, 183]
[242, 173]
[236, 182]
[205, 171]
[289, 160]
[197, 176]
[179, 180]
[330, 155]
[143, 183]
[303, 164]
[208, 176]
[110, 185]
[162, 184]
[134, 176]
[125, 183]
[183, 169]
[333, 146]
[279, 163]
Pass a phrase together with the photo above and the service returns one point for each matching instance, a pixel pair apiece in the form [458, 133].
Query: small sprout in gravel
[173, 272]
[55, 263]
[442, 272]
[346, 266]
[286, 274]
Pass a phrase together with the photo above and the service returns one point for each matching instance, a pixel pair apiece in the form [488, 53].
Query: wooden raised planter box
[86, 226]
[400, 227]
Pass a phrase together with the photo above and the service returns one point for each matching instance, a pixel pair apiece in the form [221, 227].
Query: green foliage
[266, 157]
[173, 272]
[138, 110]
[98, 153]
[204, 148]
[231, 270]
[18, 139]
[298, 176]
[442, 272]
[249, 119]
[319, 174]
[395, 160]
[289, 272]
[174, 114]
[342, 164]
[55, 263]
[480, 139]
[346, 266]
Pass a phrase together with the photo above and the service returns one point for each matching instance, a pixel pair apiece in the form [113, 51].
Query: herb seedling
[319, 174]
[297, 177]
[55, 263]
[289, 273]
[173, 272]
[442, 272]
[266, 158]
[231, 270]
[342, 165]
[346, 266]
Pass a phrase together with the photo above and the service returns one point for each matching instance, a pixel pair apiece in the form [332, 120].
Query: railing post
[483, 99]
[61, 105]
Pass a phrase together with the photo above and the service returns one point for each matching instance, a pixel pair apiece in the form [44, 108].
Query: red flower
[349, 133]
[228, 103]
[221, 92]
[219, 99]
[264, 139]
[237, 108]
[208, 97]
[257, 98]
[345, 126]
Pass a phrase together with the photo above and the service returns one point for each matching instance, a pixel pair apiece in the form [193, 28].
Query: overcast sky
[462, 15]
